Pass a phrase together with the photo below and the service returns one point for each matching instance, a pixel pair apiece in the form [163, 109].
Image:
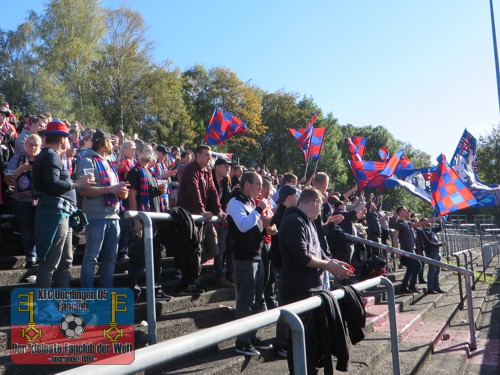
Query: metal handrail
[169, 350]
[147, 224]
[457, 256]
[461, 271]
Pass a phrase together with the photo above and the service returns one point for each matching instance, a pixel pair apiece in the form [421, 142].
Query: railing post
[472, 269]
[391, 300]
[298, 341]
[460, 291]
[150, 277]
[470, 313]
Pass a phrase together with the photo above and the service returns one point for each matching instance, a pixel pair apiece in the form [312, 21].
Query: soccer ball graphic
[72, 326]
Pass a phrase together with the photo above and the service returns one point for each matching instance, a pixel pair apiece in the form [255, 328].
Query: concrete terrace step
[364, 355]
[422, 329]
[454, 352]
[186, 314]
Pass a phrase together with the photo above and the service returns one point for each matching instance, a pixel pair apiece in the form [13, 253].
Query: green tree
[220, 87]
[16, 66]
[278, 148]
[125, 55]
[488, 156]
[166, 118]
[70, 31]
[195, 83]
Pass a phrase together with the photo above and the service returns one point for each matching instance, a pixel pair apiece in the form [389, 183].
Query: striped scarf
[109, 199]
[5, 127]
[157, 170]
[144, 192]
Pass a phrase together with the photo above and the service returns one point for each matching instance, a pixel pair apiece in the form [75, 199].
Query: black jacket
[299, 242]
[223, 191]
[274, 252]
[331, 334]
[187, 244]
[353, 311]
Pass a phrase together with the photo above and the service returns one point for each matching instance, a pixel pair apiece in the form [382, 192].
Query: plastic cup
[87, 171]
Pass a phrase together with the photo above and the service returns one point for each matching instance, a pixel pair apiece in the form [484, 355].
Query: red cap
[56, 127]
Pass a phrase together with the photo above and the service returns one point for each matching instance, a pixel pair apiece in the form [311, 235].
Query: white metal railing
[461, 271]
[164, 352]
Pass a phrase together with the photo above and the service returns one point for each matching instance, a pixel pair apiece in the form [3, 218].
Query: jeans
[412, 269]
[222, 239]
[249, 281]
[433, 273]
[125, 235]
[101, 237]
[58, 260]
[25, 215]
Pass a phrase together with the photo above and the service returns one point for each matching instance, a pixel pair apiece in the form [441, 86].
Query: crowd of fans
[63, 178]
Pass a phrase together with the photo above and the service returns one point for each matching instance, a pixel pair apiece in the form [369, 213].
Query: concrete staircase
[433, 331]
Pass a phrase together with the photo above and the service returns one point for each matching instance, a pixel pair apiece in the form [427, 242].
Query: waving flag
[464, 162]
[357, 147]
[449, 193]
[405, 164]
[416, 181]
[383, 152]
[374, 173]
[315, 143]
[222, 126]
[305, 138]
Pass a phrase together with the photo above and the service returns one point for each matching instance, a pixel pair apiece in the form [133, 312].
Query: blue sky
[423, 69]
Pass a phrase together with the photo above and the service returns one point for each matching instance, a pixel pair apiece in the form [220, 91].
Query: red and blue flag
[305, 138]
[223, 125]
[374, 173]
[316, 141]
[383, 152]
[449, 193]
[405, 164]
[357, 147]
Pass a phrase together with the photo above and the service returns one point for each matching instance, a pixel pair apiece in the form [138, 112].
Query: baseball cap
[56, 127]
[286, 191]
[162, 148]
[99, 135]
[221, 161]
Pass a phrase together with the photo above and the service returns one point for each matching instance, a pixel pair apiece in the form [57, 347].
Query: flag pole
[495, 50]
[320, 149]
[307, 163]
[308, 151]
